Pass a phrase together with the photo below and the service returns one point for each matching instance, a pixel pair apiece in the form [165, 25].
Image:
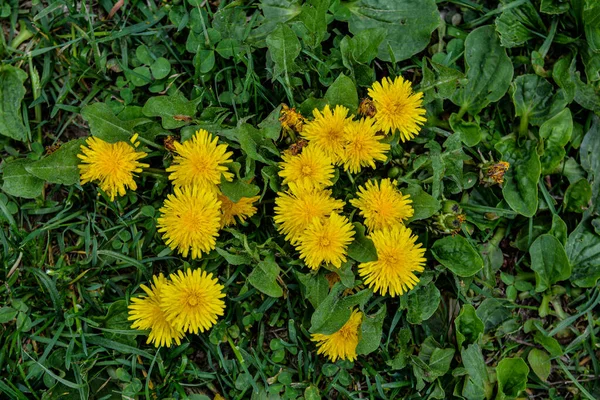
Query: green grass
[71, 259]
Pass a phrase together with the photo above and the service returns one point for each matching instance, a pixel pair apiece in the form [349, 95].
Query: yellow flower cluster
[190, 221]
[311, 219]
[190, 301]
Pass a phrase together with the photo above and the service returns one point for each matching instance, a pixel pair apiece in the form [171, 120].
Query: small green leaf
[440, 360]
[139, 76]
[264, 277]
[549, 262]
[316, 287]
[554, 6]
[20, 183]
[237, 189]
[540, 363]
[174, 111]
[512, 377]
[489, 71]
[457, 254]
[343, 92]
[478, 381]
[12, 93]
[520, 188]
[470, 132]
[469, 327]
[362, 248]
[60, 166]
[556, 133]
[284, 47]
[578, 196]
[312, 393]
[422, 303]
[423, 203]
[160, 68]
[370, 332]
[334, 311]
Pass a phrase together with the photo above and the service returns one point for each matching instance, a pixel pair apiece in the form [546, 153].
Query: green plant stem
[523, 126]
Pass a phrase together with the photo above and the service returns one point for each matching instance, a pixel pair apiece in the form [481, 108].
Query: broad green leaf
[440, 360]
[590, 161]
[554, 6]
[253, 143]
[549, 262]
[237, 189]
[204, 61]
[314, 18]
[370, 332]
[439, 82]
[549, 343]
[362, 248]
[458, 255]
[343, 92]
[316, 287]
[409, 24]
[12, 93]
[469, 328]
[264, 277]
[139, 76]
[520, 181]
[363, 47]
[583, 251]
[477, 383]
[230, 48]
[60, 166]
[540, 363]
[492, 313]
[174, 111]
[20, 183]
[423, 203]
[470, 132]
[275, 12]
[578, 196]
[284, 47]
[535, 100]
[512, 377]
[591, 20]
[489, 71]
[556, 133]
[105, 125]
[516, 25]
[335, 310]
[422, 303]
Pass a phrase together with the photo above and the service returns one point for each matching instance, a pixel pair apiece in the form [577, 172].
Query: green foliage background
[507, 306]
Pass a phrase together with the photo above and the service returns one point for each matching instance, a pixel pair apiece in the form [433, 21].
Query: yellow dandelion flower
[398, 107]
[145, 312]
[398, 258]
[341, 344]
[242, 209]
[191, 219]
[113, 165]
[299, 206]
[362, 146]
[326, 131]
[312, 166]
[326, 240]
[193, 300]
[200, 161]
[382, 205]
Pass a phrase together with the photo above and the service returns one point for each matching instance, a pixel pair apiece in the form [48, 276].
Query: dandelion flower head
[200, 161]
[190, 220]
[112, 165]
[398, 258]
[341, 344]
[398, 107]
